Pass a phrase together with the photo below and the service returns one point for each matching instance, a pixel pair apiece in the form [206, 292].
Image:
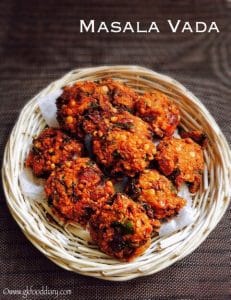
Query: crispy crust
[121, 229]
[78, 190]
[120, 95]
[197, 136]
[158, 195]
[51, 149]
[182, 160]
[80, 99]
[159, 111]
[77, 101]
[123, 151]
[99, 123]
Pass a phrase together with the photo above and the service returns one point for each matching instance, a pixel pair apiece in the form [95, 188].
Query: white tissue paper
[31, 186]
[47, 105]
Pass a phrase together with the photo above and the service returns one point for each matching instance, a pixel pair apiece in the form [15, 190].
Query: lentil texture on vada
[181, 160]
[50, 150]
[121, 228]
[159, 111]
[157, 195]
[77, 190]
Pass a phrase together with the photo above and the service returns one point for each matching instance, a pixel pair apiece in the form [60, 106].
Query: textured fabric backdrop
[39, 42]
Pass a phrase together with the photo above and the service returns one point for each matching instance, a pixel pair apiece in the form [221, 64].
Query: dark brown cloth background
[39, 42]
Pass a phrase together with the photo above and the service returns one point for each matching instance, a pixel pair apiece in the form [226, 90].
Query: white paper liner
[47, 105]
[176, 134]
[32, 187]
[184, 193]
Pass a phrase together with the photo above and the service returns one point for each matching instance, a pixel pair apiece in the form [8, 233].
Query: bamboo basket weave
[68, 248]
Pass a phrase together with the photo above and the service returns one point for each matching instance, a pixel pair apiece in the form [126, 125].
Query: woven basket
[68, 248]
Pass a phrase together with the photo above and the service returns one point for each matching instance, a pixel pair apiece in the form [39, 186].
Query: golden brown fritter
[99, 123]
[121, 229]
[127, 121]
[197, 136]
[77, 190]
[77, 101]
[120, 94]
[159, 111]
[158, 195]
[51, 149]
[182, 160]
[123, 151]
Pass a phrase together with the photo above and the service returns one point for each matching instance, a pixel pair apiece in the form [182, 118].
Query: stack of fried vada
[122, 125]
